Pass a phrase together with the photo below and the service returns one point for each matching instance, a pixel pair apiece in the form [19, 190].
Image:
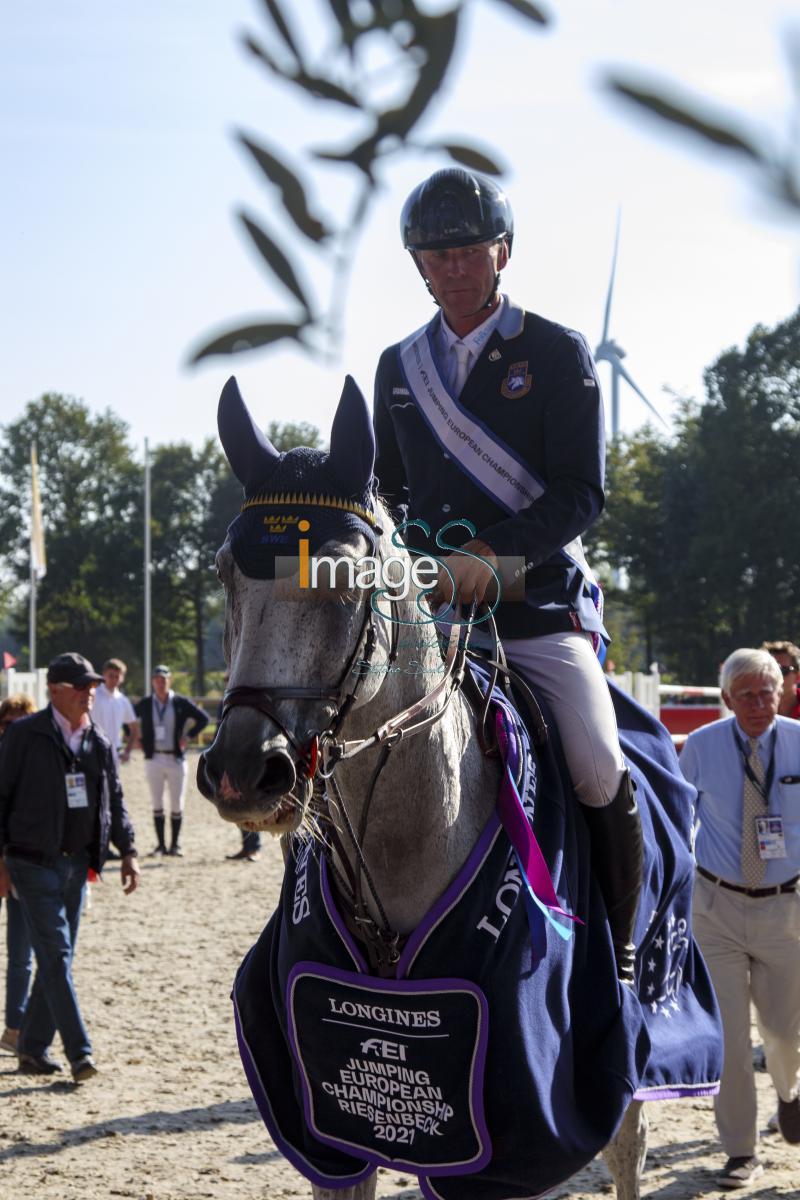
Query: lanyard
[73, 758]
[159, 710]
[762, 789]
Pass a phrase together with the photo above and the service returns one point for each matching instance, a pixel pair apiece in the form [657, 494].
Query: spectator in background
[164, 716]
[112, 709]
[60, 802]
[250, 850]
[746, 769]
[19, 957]
[787, 656]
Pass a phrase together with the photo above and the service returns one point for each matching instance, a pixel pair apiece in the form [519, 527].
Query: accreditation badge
[392, 1070]
[769, 833]
[77, 796]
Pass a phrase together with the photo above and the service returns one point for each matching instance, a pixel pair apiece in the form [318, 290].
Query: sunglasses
[788, 670]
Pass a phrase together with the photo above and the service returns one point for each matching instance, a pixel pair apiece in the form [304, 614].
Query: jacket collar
[510, 324]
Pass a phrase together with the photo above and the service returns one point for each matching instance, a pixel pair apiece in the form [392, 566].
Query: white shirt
[112, 710]
[474, 342]
[73, 737]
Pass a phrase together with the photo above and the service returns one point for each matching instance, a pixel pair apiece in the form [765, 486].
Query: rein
[320, 756]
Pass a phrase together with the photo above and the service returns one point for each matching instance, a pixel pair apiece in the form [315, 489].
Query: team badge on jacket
[517, 382]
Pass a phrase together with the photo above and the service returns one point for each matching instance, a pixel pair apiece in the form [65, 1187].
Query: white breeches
[566, 670]
[165, 770]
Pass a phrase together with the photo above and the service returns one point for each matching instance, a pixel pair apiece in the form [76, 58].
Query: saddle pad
[392, 1069]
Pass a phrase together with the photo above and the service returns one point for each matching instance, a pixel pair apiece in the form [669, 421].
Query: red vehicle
[684, 709]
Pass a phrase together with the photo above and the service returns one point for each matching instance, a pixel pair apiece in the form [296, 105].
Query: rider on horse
[493, 415]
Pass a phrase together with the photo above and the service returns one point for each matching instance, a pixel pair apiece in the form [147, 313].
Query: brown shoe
[740, 1172]
[9, 1040]
[789, 1120]
[83, 1069]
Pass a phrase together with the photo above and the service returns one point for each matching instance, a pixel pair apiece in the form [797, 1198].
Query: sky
[121, 252]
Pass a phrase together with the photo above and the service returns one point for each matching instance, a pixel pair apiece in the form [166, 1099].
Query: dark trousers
[19, 964]
[51, 898]
[251, 842]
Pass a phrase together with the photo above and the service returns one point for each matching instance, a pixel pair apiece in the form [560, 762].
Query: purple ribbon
[528, 851]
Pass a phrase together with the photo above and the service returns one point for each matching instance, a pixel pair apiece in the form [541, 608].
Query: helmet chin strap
[487, 304]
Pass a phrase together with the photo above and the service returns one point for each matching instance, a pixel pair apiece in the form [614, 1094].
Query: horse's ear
[249, 451]
[352, 438]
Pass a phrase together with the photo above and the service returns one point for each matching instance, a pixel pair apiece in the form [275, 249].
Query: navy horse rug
[504, 1050]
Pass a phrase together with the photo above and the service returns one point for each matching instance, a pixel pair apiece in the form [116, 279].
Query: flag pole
[32, 621]
[37, 554]
[147, 570]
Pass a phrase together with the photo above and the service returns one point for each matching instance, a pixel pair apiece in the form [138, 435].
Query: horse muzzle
[256, 784]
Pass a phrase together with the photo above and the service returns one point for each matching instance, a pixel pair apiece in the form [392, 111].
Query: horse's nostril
[207, 778]
[278, 776]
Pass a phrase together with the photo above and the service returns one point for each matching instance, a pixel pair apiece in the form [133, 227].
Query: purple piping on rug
[677, 1091]
[350, 944]
[449, 897]
[298, 1161]
[476, 1075]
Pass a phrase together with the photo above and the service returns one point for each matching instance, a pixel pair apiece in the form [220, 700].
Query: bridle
[318, 757]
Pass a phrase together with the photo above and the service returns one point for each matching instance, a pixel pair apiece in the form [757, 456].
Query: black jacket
[553, 419]
[33, 798]
[184, 711]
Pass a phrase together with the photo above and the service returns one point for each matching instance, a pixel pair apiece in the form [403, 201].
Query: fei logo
[392, 577]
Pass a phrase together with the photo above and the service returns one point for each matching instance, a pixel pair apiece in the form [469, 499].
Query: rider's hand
[472, 579]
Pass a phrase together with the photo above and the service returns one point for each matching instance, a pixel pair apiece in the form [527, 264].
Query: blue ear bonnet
[302, 487]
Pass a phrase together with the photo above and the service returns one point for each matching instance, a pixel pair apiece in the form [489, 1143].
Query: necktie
[753, 806]
[459, 378]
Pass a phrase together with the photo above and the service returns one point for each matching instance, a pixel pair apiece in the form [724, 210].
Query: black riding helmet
[455, 208]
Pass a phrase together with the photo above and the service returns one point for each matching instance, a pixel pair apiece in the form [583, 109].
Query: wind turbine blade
[607, 318]
[626, 376]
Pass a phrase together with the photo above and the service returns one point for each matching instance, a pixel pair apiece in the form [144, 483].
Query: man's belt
[790, 885]
[39, 857]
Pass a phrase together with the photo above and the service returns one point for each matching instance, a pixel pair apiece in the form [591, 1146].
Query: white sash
[488, 462]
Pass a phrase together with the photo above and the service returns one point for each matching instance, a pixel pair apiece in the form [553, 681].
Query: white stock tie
[753, 806]
[462, 353]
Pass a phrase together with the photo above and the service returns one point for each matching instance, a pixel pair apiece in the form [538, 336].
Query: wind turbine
[611, 352]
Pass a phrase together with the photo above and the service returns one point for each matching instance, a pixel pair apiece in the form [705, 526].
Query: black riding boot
[175, 849]
[161, 848]
[618, 866]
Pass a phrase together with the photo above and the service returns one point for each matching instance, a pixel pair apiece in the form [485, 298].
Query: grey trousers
[567, 671]
[752, 948]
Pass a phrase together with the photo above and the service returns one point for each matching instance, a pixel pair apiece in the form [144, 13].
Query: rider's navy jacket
[555, 425]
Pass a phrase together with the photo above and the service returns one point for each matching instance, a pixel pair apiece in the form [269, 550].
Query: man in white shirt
[112, 709]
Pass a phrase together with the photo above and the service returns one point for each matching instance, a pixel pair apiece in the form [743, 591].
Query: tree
[330, 55]
[707, 526]
[92, 513]
[195, 496]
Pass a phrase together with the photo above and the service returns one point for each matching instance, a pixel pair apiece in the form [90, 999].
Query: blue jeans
[51, 899]
[19, 966]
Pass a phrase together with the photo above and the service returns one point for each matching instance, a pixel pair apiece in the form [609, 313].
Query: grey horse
[294, 655]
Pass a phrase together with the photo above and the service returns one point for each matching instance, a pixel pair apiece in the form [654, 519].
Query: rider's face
[462, 277]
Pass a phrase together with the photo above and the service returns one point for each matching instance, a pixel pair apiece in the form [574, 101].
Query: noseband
[264, 699]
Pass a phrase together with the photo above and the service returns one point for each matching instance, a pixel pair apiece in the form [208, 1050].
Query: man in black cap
[60, 803]
[167, 720]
